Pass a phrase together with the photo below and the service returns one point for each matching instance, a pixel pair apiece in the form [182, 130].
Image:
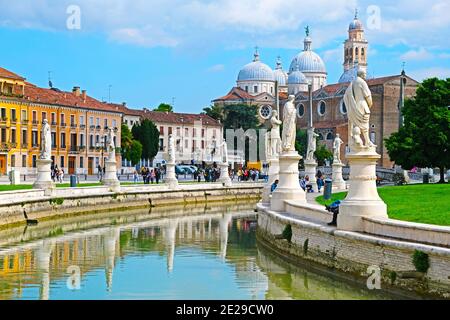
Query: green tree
[135, 152]
[148, 135]
[240, 116]
[301, 141]
[215, 112]
[424, 140]
[322, 153]
[164, 107]
[130, 148]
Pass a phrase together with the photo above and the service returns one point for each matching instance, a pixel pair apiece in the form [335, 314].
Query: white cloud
[216, 68]
[421, 74]
[231, 23]
[420, 54]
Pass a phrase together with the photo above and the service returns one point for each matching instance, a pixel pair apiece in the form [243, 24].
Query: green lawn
[429, 203]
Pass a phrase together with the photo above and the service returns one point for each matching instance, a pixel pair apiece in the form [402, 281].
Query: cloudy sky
[191, 51]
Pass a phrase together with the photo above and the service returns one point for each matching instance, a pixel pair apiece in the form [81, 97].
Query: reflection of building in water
[111, 249]
[99, 248]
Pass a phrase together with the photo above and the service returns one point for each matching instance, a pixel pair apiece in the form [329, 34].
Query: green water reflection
[142, 255]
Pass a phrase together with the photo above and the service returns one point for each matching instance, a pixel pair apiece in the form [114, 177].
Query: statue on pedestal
[289, 125]
[224, 150]
[171, 149]
[312, 144]
[46, 141]
[358, 100]
[337, 149]
[275, 138]
[110, 147]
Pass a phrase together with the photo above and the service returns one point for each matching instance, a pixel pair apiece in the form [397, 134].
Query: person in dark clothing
[334, 209]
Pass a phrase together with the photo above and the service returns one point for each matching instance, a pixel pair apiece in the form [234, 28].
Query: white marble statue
[358, 100]
[275, 138]
[312, 144]
[289, 125]
[46, 141]
[171, 149]
[224, 151]
[111, 148]
[337, 149]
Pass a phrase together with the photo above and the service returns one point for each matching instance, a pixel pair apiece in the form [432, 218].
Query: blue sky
[192, 50]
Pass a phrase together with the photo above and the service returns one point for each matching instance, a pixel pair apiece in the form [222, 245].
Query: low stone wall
[353, 253]
[67, 201]
[424, 233]
[410, 231]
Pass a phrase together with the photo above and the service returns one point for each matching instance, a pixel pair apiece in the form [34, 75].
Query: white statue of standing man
[171, 149]
[289, 126]
[275, 138]
[46, 141]
[111, 148]
[358, 100]
[224, 150]
[312, 144]
[337, 149]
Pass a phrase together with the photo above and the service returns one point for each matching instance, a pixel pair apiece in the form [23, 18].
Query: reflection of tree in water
[242, 238]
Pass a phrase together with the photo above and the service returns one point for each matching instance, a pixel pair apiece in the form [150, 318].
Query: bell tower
[355, 47]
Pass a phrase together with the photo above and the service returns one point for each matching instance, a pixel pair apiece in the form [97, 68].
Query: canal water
[201, 253]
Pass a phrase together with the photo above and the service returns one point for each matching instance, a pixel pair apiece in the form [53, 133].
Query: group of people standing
[149, 175]
[57, 174]
[248, 174]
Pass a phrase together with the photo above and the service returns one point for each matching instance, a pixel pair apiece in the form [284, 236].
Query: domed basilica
[257, 84]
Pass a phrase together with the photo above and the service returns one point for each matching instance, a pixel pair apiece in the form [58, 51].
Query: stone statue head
[337, 135]
[274, 113]
[361, 73]
[45, 121]
[291, 98]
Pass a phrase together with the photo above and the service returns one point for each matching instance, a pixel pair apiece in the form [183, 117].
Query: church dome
[356, 24]
[308, 60]
[280, 75]
[297, 77]
[256, 71]
[348, 76]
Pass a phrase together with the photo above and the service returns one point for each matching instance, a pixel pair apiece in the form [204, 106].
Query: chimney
[76, 91]
[83, 95]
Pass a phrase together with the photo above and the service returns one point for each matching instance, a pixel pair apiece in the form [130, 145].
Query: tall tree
[424, 140]
[148, 135]
[215, 112]
[130, 148]
[164, 107]
[240, 116]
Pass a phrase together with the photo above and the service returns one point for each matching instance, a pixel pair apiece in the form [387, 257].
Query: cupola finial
[256, 55]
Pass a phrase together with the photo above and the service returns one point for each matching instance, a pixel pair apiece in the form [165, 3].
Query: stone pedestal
[362, 199]
[110, 178]
[310, 171]
[338, 181]
[274, 169]
[289, 185]
[171, 178]
[44, 176]
[224, 174]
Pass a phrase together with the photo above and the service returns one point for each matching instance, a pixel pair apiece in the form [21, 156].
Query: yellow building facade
[79, 125]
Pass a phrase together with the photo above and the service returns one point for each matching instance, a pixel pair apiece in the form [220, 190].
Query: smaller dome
[297, 77]
[356, 24]
[349, 75]
[256, 71]
[280, 75]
